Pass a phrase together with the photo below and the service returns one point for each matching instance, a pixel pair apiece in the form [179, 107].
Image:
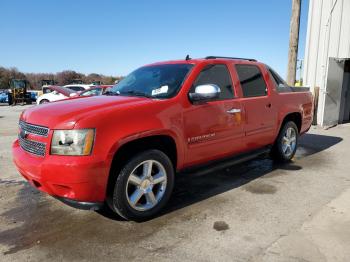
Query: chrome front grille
[33, 147]
[34, 129]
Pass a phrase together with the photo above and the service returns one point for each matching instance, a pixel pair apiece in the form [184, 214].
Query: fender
[149, 133]
[286, 111]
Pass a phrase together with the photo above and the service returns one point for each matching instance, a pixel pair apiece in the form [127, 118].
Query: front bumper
[72, 178]
[80, 204]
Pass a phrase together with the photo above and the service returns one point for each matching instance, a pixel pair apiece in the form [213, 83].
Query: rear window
[76, 88]
[252, 81]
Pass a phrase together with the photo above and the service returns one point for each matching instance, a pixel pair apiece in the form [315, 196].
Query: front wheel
[286, 143]
[143, 186]
[44, 101]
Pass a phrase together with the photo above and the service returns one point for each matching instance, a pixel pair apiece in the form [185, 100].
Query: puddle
[303, 151]
[39, 220]
[260, 188]
[11, 182]
[220, 226]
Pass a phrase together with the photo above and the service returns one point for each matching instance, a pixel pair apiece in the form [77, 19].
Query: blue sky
[115, 37]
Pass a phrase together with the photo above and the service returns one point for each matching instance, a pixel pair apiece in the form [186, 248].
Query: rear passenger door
[260, 112]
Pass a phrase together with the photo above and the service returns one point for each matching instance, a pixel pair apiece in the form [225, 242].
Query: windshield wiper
[137, 93]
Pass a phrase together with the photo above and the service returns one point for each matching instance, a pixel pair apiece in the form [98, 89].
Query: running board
[225, 163]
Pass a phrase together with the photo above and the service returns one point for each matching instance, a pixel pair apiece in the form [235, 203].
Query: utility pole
[293, 41]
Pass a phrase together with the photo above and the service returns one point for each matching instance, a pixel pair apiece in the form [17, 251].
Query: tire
[141, 191]
[44, 101]
[286, 143]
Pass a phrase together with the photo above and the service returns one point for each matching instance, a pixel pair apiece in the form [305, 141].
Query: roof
[200, 60]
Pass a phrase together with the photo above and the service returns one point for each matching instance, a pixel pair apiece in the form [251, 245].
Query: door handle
[234, 111]
[268, 105]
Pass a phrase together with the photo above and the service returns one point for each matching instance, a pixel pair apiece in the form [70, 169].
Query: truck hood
[65, 114]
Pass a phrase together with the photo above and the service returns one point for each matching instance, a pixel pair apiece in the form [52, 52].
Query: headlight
[77, 142]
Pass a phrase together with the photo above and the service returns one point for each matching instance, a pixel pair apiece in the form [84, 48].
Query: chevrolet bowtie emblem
[23, 134]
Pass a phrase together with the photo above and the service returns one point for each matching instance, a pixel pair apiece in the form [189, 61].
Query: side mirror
[73, 94]
[55, 92]
[205, 93]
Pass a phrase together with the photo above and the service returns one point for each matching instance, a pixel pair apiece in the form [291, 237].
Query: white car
[58, 93]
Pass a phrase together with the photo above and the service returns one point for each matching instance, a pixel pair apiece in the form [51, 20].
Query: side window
[92, 92]
[47, 90]
[252, 81]
[87, 93]
[281, 86]
[76, 88]
[218, 75]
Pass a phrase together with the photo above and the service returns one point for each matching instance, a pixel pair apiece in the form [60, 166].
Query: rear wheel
[143, 186]
[286, 143]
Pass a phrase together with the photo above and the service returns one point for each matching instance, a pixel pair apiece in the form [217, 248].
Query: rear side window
[281, 85]
[76, 88]
[252, 81]
[218, 75]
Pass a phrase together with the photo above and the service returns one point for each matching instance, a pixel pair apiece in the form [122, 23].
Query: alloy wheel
[146, 185]
[289, 142]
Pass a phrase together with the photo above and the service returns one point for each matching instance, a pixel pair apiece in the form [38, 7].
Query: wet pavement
[234, 214]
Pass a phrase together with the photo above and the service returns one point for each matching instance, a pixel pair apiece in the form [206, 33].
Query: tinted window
[76, 88]
[218, 75]
[252, 81]
[281, 86]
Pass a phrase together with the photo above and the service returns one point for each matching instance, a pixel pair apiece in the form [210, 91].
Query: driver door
[213, 129]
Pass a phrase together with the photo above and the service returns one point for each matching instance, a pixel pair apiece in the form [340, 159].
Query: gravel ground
[256, 211]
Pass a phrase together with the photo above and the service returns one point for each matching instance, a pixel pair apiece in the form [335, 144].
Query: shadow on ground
[36, 219]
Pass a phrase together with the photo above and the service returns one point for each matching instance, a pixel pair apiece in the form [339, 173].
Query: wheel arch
[163, 142]
[295, 117]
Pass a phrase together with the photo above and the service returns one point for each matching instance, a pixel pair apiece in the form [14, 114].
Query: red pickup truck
[123, 149]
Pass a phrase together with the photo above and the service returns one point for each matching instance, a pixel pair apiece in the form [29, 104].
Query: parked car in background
[93, 91]
[34, 94]
[4, 97]
[121, 151]
[57, 93]
[46, 89]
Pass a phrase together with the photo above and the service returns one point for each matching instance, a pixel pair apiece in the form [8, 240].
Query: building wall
[328, 35]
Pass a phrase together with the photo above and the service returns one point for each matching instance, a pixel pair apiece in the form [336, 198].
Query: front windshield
[158, 81]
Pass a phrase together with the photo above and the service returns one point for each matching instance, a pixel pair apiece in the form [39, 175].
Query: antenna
[188, 57]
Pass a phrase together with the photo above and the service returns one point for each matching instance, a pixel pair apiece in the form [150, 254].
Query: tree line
[61, 78]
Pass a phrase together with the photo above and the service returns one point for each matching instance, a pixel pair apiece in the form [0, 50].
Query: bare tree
[61, 78]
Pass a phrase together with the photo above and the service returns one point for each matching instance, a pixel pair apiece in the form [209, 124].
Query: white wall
[328, 35]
